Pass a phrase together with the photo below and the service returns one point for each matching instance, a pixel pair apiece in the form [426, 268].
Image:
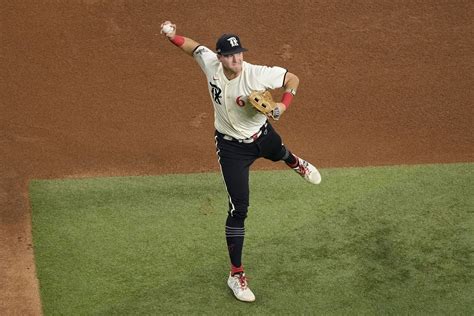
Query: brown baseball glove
[263, 102]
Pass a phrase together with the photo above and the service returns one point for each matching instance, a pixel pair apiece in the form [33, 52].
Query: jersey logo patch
[199, 51]
[216, 93]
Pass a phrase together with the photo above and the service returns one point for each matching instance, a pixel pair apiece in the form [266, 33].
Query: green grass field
[367, 241]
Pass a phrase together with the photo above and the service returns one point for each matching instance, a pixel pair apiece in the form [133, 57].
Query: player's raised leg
[271, 147]
[303, 168]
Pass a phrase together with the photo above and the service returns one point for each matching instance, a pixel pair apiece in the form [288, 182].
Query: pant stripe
[232, 209]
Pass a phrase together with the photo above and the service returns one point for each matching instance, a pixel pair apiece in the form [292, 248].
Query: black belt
[249, 140]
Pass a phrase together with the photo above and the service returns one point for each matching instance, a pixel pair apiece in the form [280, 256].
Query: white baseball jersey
[233, 115]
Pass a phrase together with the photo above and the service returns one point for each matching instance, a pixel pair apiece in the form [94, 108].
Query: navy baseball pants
[235, 158]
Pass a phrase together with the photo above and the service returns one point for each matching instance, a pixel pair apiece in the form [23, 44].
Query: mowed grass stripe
[384, 240]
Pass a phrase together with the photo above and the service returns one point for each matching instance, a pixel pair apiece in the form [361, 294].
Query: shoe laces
[302, 167]
[242, 280]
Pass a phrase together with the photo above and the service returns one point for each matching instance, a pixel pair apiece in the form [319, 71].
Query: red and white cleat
[307, 171]
[238, 285]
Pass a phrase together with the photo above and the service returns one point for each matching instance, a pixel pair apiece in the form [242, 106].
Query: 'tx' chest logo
[216, 93]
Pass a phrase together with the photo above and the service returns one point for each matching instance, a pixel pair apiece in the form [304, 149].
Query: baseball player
[242, 133]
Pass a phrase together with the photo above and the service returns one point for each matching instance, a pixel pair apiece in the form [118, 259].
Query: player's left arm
[290, 85]
[291, 82]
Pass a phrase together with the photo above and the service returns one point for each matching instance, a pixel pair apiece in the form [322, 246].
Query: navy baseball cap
[229, 44]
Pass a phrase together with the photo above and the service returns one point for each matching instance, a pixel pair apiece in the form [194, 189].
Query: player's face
[233, 62]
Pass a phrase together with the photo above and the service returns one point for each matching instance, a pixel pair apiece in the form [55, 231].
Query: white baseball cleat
[238, 285]
[308, 171]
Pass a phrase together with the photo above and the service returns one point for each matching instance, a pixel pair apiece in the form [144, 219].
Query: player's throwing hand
[168, 29]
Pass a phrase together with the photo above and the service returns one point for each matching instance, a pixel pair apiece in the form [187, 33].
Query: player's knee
[280, 154]
[240, 213]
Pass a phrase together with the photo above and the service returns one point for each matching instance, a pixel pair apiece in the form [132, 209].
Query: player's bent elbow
[292, 80]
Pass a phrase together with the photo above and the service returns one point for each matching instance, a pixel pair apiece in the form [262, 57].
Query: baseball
[167, 28]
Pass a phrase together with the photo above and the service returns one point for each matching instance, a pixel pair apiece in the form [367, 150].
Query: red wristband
[286, 99]
[177, 40]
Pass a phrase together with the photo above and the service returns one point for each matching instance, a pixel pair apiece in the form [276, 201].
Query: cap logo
[233, 41]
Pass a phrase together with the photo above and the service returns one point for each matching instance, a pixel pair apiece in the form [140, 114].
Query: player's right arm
[186, 44]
